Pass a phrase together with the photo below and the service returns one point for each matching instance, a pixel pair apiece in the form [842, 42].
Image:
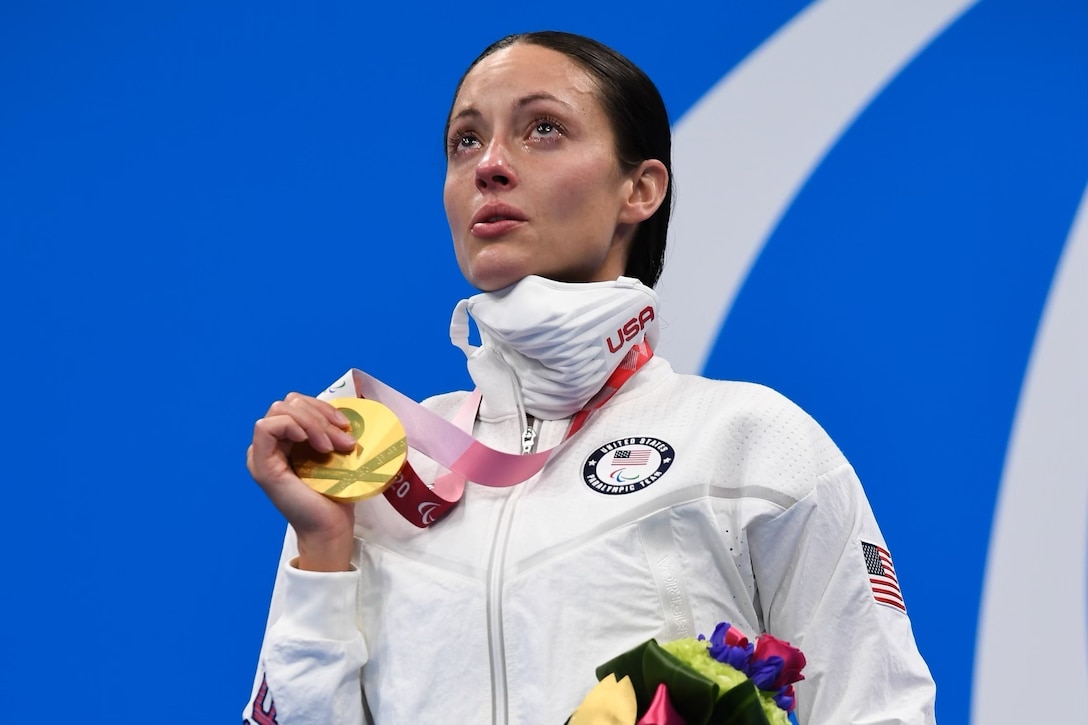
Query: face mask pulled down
[548, 347]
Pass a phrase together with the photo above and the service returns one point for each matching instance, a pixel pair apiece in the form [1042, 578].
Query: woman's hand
[324, 527]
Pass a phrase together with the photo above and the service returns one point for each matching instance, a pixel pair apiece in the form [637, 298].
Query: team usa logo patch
[627, 465]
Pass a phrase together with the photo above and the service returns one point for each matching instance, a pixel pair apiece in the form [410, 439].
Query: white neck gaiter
[553, 344]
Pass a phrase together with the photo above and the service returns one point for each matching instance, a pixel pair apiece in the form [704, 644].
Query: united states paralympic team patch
[627, 465]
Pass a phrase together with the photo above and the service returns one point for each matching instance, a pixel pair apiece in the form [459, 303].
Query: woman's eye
[546, 128]
[461, 141]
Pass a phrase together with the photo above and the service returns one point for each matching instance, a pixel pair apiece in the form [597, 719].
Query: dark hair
[639, 121]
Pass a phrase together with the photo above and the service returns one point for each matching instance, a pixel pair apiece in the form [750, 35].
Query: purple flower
[785, 699]
[765, 672]
[729, 645]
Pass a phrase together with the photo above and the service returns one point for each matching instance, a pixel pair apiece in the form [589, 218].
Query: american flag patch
[627, 457]
[882, 576]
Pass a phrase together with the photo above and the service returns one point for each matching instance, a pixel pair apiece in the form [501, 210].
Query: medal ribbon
[450, 443]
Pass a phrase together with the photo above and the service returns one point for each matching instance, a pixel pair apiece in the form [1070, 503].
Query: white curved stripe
[1034, 602]
[746, 148]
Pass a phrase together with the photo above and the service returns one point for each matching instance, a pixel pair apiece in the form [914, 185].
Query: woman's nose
[494, 171]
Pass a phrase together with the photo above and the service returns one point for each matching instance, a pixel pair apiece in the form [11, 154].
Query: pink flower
[793, 661]
[732, 636]
[661, 711]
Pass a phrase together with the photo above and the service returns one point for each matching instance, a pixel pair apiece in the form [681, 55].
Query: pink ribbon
[451, 445]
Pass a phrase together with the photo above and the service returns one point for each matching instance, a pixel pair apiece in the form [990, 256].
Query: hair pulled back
[639, 121]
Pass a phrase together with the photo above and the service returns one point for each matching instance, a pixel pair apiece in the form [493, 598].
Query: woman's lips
[495, 228]
[494, 219]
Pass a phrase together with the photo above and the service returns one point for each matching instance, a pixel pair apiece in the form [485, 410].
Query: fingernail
[340, 418]
[345, 437]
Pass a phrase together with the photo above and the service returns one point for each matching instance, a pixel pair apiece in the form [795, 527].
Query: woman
[681, 502]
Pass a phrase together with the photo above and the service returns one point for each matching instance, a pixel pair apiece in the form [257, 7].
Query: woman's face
[533, 185]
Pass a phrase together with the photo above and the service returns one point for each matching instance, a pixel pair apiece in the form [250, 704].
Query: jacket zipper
[528, 438]
[500, 714]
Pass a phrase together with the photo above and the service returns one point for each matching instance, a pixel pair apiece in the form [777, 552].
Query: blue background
[195, 197]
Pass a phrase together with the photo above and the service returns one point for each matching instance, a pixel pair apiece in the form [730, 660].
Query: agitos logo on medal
[627, 465]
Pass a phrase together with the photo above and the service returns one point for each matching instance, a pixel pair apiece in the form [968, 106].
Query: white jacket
[730, 504]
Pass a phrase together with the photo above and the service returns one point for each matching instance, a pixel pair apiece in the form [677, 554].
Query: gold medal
[380, 450]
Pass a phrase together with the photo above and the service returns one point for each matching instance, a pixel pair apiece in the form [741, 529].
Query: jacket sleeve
[313, 651]
[818, 591]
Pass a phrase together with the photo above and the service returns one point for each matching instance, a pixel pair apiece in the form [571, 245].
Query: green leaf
[696, 697]
[692, 694]
[739, 706]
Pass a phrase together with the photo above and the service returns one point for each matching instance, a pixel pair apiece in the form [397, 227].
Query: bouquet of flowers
[723, 680]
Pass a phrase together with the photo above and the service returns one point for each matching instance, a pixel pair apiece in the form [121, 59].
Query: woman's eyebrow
[473, 112]
[541, 96]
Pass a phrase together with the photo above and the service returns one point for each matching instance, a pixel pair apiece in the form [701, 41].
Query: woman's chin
[491, 277]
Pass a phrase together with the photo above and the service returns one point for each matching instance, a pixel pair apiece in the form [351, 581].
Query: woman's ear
[649, 181]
